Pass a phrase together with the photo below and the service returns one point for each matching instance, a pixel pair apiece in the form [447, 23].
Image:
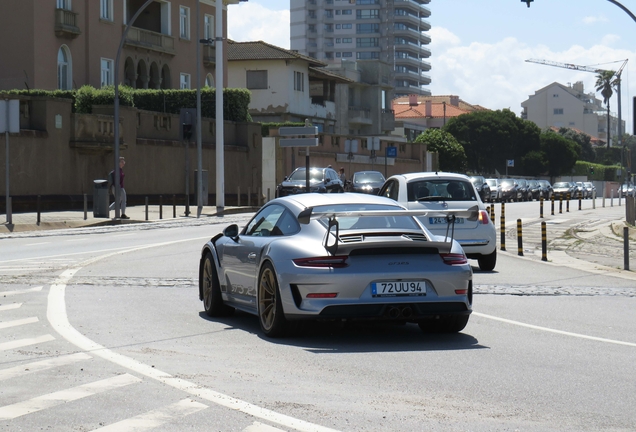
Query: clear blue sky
[479, 46]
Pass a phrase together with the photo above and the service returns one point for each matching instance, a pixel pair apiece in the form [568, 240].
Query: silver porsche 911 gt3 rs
[338, 256]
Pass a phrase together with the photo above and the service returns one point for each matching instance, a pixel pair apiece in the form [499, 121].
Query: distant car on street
[563, 190]
[482, 187]
[321, 180]
[510, 190]
[546, 189]
[368, 182]
[495, 189]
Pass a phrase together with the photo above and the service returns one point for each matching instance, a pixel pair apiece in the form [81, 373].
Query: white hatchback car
[448, 191]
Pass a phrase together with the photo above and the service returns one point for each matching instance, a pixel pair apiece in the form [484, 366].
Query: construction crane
[617, 74]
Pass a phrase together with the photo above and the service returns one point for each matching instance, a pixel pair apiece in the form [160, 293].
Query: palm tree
[604, 84]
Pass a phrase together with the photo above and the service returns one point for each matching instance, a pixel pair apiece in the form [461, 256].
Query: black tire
[211, 290]
[487, 262]
[444, 324]
[270, 307]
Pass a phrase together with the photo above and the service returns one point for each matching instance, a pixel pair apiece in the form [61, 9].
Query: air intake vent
[352, 238]
[415, 237]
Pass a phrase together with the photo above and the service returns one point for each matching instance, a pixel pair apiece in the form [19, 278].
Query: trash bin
[100, 199]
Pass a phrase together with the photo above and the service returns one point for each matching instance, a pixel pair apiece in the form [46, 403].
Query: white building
[393, 31]
[557, 105]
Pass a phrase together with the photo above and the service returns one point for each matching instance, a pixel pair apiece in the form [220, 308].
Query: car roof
[318, 199]
[432, 174]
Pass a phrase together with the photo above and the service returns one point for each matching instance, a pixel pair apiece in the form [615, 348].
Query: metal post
[160, 206]
[561, 204]
[567, 204]
[552, 205]
[519, 238]
[492, 212]
[146, 208]
[268, 195]
[7, 196]
[174, 206]
[39, 202]
[220, 162]
[544, 242]
[238, 196]
[85, 206]
[541, 207]
[307, 172]
[580, 200]
[199, 190]
[626, 248]
[502, 226]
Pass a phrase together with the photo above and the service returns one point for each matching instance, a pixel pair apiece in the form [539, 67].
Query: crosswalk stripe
[17, 292]
[18, 322]
[10, 306]
[155, 418]
[25, 342]
[38, 366]
[50, 400]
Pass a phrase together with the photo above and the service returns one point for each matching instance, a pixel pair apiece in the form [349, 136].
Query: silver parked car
[495, 189]
[337, 257]
[437, 191]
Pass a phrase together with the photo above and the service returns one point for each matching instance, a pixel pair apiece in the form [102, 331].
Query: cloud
[252, 22]
[594, 19]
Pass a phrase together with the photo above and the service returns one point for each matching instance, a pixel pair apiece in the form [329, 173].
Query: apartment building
[64, 44]
[558, 105]
[393, 31]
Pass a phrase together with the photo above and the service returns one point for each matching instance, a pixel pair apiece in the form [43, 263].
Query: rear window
[366, 222]
[440, 189]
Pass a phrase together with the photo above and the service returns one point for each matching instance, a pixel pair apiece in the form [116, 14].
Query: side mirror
[231, 231]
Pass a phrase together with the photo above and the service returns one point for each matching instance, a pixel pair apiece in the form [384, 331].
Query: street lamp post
[199, 146]
[116, 103]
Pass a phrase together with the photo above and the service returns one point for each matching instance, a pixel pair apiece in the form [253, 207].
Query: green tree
[584, 140]
[605, 82]
[451, 154]
[561, 153]
[490, 138]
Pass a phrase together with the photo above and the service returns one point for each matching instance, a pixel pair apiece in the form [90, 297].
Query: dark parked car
[524, 190]
[368, 182]
[509, 190]
[482, 187]
[546, 189]
[535, 189]
[321, 180]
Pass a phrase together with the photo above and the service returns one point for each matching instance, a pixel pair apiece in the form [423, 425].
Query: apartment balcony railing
[66, 23]
[151, 40]
[209, 55]
[414, 5]
[360, 115]
[387, 120]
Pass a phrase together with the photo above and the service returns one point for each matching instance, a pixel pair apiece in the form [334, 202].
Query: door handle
[251, 256]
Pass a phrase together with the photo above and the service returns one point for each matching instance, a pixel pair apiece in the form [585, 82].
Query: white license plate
[441, 220]
[398, 288]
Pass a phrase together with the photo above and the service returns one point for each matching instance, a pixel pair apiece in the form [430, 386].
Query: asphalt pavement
[590, 239]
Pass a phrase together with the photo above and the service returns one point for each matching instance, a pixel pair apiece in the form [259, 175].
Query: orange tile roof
[419, 111]
[421, 99]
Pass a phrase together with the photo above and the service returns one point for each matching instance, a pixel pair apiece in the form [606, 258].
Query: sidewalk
[25, 222]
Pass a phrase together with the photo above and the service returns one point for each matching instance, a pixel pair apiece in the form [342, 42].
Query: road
[101, 329]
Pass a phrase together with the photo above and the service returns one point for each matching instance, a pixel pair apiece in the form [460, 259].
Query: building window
[106, 9]
[558, 111]
[338, 55]
[338, 12]
[367, 55]
[367, 28]
[107, 72]
[208, 24]
[347, 40]
[555, 95]
[209, 81]
[184, 22]
[64, 69]
[256, 79]
[368, 13]
[184, 81]
[299, 81]
[338, 26]
[64, 4]
[347, 26]
[346, 12]
[363, 2]
[367, 42]
[347, 54]
[338, 40]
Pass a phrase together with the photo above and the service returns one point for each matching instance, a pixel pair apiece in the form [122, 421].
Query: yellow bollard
[544, 242]
[502, 226]
[519, 238]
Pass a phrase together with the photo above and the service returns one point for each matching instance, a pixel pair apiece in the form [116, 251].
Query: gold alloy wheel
[267, 298]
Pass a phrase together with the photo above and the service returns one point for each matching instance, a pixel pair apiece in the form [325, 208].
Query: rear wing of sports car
[308, 214]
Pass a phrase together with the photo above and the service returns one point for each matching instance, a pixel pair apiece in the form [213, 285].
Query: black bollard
[519, 239]
[544, 242]
[502, 226]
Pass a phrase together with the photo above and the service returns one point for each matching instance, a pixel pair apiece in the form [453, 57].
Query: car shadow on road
[355, 337]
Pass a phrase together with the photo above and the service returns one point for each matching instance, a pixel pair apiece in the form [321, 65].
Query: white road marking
[77, 239]
[561, 332]
[56, 314]
[38, 366]
[10, 306]
[50, 400]
[155, 418]
[37, 244]
[19, 322]
[25, 342]
[17, 292]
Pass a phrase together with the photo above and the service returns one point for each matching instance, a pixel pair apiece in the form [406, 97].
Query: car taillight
[325, 261]
[322, 295]
[483, 217]
[454, 258]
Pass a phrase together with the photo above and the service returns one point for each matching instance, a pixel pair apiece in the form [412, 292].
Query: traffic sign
[391, 152]
[298, 142]
[295, 131]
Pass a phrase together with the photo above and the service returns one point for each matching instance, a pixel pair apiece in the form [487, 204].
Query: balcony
[403, 59]
[154, 41]
[387, 120]
[402, 16]
[66, 24]
[209, 55]
[409, 32]
[360, 115]
[413, 5]
[410, 75]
